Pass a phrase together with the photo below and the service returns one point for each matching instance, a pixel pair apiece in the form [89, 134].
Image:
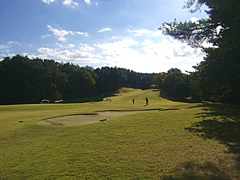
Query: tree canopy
[174, 83]
[217, 77]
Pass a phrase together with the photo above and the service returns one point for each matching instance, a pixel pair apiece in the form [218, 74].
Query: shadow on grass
[222, 123]
[89, 99]
[178, 99]
[219, 122]
[208, 170]
[85, 99]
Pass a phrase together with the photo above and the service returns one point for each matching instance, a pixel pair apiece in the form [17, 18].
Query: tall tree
[217, 77]
[173, 83]
[54, 79]
[80, 81]
[159, 79]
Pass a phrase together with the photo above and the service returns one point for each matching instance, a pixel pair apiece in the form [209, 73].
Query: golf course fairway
[162, 140]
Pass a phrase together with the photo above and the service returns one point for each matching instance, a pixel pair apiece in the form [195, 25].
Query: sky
[97, 33]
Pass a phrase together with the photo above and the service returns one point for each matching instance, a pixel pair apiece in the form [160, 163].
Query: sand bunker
[77, 120]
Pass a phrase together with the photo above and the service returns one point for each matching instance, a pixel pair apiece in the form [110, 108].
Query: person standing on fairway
[133, 101]
[146, 101]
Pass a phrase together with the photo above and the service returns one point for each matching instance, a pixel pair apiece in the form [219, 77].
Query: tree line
[25, 80]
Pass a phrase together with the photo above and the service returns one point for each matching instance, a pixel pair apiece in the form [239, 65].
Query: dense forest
[25, 80]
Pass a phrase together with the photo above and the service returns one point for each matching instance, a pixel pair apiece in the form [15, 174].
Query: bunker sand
[77, 120]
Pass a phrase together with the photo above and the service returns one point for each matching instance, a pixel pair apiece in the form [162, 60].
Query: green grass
[181, 141]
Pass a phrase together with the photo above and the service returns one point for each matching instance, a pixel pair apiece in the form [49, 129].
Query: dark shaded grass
[83, 100]
[221, 123]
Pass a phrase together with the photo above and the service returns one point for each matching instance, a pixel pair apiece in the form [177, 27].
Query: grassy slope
[189, 141]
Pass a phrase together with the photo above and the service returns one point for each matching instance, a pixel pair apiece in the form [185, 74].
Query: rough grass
[182, 141]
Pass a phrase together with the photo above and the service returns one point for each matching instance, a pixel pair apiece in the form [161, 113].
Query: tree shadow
[207, 171]
[177, 99]
[91, 99]
[222, 123]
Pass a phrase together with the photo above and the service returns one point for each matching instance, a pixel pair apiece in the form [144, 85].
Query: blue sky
[122, 33]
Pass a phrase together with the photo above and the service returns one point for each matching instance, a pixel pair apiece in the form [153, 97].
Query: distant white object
[44, 101]
[58, 101]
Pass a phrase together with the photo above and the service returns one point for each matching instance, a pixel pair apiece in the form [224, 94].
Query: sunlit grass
[150, 145]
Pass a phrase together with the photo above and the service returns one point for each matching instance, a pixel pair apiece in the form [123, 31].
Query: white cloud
[46, 35]
[218, 29]
[117, 46]
[104, 30]
[5, 49]
[194, 19]
[81, 33]
[146, 51]
[8, 45]
[70, 3]
[157, 33]
[4, 46]
[48, 1]
[13, 43]
[147, 55]
[71, 46]
[60, 33]
[139, 32]
[120, 53]
[81, 54]
[88, 2]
